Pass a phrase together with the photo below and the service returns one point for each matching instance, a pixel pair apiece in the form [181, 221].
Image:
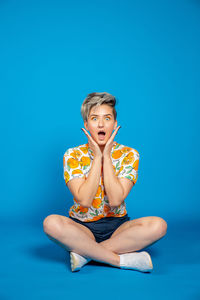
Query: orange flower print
[96, 203]
[76, 153]
[128, 159]
[125, 149]
[133, 177]
[72, 163]
[95, 218]
[76, 209]
[116, 154]
[135, 165]
[121, 168]
[73, 154]
[130, 155]
[85, 161]
[98, 192]
[83, 209]
[125, 161]
[110, 214]
[84, 149]
[77, 171]
[106, 209]
[66, 175]
[75, 200]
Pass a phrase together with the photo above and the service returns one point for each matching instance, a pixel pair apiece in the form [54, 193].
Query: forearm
[88, 189]
[114, 189]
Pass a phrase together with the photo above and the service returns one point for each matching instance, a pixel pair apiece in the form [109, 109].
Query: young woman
[100, 175]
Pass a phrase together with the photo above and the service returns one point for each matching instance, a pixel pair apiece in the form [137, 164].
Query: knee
[159, 226]
[52, 225]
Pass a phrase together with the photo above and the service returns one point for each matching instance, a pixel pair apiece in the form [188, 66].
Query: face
[101, 118]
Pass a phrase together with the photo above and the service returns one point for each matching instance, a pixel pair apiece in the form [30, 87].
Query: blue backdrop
[53, 53]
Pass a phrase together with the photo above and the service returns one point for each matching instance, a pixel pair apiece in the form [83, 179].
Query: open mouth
[101, 135]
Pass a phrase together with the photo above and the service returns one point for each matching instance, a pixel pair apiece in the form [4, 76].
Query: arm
[88, 189]
[113, 187]
[117, 189]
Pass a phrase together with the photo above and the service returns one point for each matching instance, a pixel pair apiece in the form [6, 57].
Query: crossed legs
[131, 236]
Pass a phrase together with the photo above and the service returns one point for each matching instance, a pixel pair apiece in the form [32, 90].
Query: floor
[33, 267]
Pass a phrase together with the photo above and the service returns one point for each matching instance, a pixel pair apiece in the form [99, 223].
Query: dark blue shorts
[103, 228]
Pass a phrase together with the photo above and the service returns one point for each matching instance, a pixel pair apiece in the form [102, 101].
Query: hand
[93, 145]
[109, 144]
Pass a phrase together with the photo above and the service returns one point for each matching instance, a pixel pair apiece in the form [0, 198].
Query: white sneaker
[140, 261]
[77, 261]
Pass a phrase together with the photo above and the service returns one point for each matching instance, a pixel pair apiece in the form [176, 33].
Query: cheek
[92, 131]
[109, 132]
[110, 129]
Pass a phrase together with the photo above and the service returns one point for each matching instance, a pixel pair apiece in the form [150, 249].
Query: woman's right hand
[93, 145]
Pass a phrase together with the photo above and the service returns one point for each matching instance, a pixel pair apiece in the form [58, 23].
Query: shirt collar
[91, 154]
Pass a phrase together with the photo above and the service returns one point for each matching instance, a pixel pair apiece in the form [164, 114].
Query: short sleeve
[72, 166]
[129, 166]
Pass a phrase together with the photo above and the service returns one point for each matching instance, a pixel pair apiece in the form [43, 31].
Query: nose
[101, 123]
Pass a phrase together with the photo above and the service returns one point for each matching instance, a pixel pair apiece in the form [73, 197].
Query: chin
[101, 142]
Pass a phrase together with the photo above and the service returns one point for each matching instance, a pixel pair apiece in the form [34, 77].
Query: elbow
[115, 204]
[84, 203]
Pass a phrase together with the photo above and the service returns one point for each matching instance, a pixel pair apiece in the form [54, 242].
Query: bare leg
[136, 234]
[70, 235]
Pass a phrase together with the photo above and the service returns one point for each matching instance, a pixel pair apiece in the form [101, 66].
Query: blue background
[52, 54]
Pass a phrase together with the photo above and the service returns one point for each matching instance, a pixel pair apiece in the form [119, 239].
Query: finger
[118, 128]
[85, 132]
[89, 136]
[115, 132]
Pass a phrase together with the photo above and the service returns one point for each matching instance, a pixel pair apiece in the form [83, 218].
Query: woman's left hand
[109, 144]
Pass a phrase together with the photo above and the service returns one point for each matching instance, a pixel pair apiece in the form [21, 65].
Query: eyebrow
[103, 115]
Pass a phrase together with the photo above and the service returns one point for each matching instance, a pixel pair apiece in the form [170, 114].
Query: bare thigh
[67, 221]
[130, 223]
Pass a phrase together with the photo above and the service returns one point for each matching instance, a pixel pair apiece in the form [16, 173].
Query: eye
[108, 118]
[93, 118]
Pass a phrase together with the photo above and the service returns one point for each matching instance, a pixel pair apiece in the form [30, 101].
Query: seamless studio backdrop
[52, 54]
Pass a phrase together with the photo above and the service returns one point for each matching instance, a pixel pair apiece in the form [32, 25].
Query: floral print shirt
[77, 162]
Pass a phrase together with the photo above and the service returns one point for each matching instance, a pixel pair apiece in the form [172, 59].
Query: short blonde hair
[97, 99]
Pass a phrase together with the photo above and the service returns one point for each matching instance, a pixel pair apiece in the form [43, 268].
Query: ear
[115, 126]
[86, 125]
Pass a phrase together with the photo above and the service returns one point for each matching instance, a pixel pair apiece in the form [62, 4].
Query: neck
[102, 148]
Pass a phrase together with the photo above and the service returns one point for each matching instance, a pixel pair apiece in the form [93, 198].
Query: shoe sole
[74, 262]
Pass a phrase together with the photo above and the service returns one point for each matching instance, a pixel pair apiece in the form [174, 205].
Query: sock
[140, 261]
[77, 261]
